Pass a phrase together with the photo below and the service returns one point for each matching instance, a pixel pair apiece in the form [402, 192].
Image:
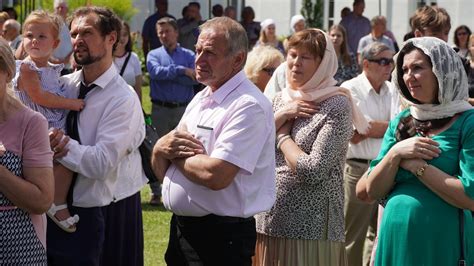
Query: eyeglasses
[382, 61]
[461, 33]
[269, 70]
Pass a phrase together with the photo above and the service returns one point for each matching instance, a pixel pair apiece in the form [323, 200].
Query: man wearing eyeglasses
[378, 100]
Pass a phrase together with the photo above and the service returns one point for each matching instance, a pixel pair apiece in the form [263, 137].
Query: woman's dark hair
[399, 65]
[456, 40]
[129, 45]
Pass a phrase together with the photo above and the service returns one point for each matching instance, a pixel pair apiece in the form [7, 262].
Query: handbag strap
[125, 63]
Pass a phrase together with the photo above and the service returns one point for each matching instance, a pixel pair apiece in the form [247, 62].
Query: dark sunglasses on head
[382, 61]
[269, 70]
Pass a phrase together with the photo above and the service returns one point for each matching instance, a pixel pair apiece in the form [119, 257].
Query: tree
[123, 8]
[313, 13]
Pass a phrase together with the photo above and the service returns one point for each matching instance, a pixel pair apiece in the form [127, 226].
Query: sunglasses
[461, 33]
[382, 61]
[269, 70]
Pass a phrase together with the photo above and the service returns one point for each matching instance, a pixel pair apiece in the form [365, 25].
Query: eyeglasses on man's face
[382, 61]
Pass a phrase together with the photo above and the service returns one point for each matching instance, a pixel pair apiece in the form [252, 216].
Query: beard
[87, 59]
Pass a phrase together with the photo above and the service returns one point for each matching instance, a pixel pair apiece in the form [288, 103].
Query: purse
[146, 148]
[151, 136]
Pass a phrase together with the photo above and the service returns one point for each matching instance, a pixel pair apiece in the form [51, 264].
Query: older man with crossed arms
[219, 165]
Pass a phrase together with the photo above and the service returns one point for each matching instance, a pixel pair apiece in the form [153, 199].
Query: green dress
[418, 227]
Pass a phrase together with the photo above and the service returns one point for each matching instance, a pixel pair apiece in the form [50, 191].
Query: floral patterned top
[346, 72]
[310, 202]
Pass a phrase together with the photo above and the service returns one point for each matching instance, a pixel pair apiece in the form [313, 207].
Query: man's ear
[112, 37]
[239, 60]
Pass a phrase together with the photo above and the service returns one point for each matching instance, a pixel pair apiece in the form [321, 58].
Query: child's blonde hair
[41, 16]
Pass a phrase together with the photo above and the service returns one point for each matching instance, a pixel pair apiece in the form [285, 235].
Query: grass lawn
[155, 219]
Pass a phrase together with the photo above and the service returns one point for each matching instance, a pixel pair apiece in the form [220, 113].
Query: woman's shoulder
[337, 102]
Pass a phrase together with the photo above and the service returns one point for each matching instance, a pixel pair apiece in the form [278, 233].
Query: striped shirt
[49, 78]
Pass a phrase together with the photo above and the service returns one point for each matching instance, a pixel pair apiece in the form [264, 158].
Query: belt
[210, 219]
[357, 160]
[169, 104]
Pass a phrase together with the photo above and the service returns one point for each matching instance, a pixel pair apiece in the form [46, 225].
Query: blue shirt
[356, 28]
[168, 82]
[149, 30]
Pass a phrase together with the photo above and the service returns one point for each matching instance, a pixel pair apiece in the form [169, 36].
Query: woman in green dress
[425, 169]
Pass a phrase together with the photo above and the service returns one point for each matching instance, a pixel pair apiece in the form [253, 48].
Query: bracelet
[421, 171]
[281, 140]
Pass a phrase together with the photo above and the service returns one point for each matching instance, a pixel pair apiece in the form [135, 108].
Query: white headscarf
[267, 22]
[451, 76]
[320, 86]
[295, 19]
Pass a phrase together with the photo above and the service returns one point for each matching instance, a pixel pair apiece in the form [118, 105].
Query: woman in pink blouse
[26, 174]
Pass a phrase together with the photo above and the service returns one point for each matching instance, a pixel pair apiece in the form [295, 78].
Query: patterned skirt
[280, 251]
[19, 244]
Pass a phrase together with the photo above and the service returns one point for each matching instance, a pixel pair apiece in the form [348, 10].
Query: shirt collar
[103, 79]
[221, 93]
[367, 87]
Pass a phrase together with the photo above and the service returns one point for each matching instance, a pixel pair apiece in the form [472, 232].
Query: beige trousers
[358, 216]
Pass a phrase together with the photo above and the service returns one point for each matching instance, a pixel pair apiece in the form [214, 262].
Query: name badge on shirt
[204, 135]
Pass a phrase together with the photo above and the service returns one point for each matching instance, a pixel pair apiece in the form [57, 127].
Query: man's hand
[377, 129]
[178, 144]
[58, 142]
[28, 78]
[357, 137]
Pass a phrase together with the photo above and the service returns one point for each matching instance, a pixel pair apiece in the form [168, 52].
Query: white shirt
[235, 124]
[65, 45]
[381, 106]
[132, 70]
[111, 128]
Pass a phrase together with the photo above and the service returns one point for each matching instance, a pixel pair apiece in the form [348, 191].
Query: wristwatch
[419, 173]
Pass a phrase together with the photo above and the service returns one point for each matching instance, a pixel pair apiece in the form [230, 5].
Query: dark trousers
[110, 235]
[211, 240]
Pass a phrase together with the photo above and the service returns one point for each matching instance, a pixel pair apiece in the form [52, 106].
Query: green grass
[155, 230]
[155, 219]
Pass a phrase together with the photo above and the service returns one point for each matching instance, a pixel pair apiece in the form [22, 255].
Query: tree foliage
[313, 13]
[123, 8]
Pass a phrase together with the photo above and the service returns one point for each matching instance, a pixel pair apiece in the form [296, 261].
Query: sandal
[68, 225]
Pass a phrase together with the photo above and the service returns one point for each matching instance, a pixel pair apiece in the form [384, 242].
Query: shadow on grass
[150, 208]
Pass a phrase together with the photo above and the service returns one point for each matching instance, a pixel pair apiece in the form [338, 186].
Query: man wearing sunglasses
[378, 100]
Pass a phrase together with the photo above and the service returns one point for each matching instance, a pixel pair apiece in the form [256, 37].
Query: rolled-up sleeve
[119, 132]
[243, 137]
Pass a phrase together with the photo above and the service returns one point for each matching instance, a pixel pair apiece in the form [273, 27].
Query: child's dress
[49, 78]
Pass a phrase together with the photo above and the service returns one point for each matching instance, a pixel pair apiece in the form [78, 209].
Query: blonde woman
[268, 35]
[261, 63]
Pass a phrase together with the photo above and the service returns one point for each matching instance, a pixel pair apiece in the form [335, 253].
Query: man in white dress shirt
[219, 165]
[378, 100]
[105, 156]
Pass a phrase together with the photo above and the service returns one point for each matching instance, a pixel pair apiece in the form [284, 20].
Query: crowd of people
[320, 148]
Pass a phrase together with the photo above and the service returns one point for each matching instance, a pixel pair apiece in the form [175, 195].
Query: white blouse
[132, 70]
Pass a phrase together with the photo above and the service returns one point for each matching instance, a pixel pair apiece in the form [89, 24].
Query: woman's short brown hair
[312, 40]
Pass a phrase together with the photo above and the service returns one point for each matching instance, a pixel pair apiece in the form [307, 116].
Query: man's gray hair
[13, 24]
[234, 33]
[373, 49]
